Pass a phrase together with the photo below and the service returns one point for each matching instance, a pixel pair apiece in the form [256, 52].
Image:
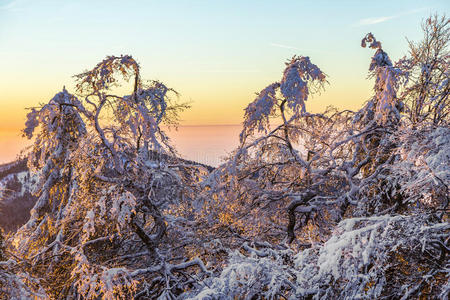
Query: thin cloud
[228, 71]
[371, 21]
[13, 6]
[299, 49]
[283, 46]
[377, 20]
[9, 5]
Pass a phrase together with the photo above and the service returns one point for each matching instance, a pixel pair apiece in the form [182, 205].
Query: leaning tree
[108, 175]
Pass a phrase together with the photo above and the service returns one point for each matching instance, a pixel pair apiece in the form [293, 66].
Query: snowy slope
[16, 199]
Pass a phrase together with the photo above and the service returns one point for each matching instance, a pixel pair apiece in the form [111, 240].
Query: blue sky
[217, 54]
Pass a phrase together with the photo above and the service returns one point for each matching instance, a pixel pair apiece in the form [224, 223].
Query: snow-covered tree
[249, 194]
[305, 179]
[301, 177]
[428, 62]
[108, 177]
[385, 107]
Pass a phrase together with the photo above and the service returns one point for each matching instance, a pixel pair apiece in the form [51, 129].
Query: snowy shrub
[422, 169]
[15, 284]
[261, 274]
[377, 257]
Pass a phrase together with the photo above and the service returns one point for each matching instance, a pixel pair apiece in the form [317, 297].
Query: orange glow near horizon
[217, 55]
[214, 105]
[11, 144]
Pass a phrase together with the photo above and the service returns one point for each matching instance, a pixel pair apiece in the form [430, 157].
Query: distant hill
[16, 199]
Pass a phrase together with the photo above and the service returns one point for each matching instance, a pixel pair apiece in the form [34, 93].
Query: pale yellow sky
[217, 54]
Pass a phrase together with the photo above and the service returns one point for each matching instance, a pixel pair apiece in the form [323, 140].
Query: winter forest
[332, 205]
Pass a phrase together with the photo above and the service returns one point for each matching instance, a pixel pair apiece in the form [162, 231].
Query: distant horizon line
[200, 125]
[15, 130]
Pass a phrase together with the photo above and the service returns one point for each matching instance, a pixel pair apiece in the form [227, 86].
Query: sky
[216, 54]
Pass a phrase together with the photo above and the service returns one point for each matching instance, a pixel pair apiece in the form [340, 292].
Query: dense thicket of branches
[337, 205]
